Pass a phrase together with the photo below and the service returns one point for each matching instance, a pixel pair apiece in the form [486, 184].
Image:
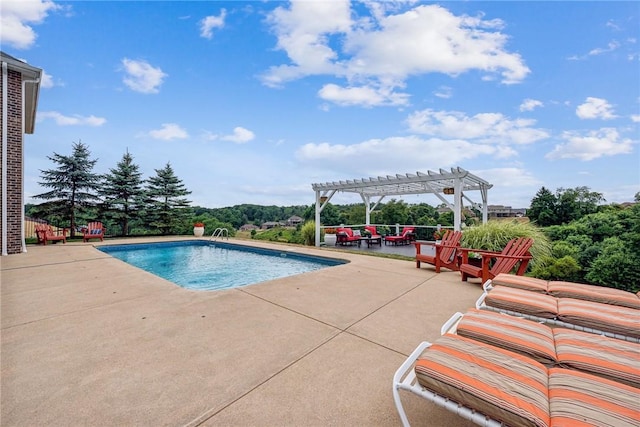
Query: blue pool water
[206, 265]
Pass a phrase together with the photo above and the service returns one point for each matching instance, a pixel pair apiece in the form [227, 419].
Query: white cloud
[141, 76]
[595, 108]
[381, 52]
[600, 50]
[168, 132]
[444, 92]
[210, 22]
[75, 120]
[46, 80]
[491, 128]
[17, 20]
[635, 118]
[389, 155]
[509, 177]
[595, 144]
[240, 135]
[530, 104]
[366, 96]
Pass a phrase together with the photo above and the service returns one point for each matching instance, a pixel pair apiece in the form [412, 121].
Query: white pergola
[458, 183]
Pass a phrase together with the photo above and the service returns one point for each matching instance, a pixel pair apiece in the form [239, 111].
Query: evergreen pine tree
[165, 201]
[123, 192]
[73, 184]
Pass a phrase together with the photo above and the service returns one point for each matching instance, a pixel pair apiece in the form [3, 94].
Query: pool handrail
[220, 232]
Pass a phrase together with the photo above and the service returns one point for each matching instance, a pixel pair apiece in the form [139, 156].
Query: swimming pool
[204, 265]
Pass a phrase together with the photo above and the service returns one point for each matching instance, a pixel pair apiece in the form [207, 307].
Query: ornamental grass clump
[308, 232]
[494, 236]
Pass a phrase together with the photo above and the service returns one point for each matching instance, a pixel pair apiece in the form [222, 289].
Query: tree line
[77, 195]
[129, 204]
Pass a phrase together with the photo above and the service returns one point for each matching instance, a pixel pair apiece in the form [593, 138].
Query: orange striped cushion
[603, 317]
[520, 282]
[580, 399]
[600, 294]
[520, 301]
[511, 333]
[611, 358]
[505, 386]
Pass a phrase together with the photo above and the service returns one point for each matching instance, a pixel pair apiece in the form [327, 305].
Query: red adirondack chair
[516, 252]
[45, 234]
[446, 252]
[94, 230]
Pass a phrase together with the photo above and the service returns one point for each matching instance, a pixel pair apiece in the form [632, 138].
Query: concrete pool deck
[89, 340]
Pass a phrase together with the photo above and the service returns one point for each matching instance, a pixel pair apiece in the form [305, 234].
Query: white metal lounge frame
[458, 180]
[405, 379]
[481, 305]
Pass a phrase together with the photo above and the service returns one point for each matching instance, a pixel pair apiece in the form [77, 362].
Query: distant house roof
[32, 76]
[295, 219]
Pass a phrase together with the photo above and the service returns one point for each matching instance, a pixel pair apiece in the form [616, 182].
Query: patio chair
[446, 254]
[561, 289]
[460, 375]
[345, 235]
[407, 236]
[94, 230]
[375, 237]
[594, 317]
[45, 233]
[493, 263]
[495, 387]
[607, 357]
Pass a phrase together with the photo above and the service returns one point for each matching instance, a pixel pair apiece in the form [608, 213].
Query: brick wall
[14, 162]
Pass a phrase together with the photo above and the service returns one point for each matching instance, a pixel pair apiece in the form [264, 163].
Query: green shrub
[308, 233]
[494, 236]
[565, 268]
[616, 266]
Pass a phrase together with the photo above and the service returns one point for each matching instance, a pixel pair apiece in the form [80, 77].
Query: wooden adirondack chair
[516, 252]
[45, 234]
[446, 252]
[94, 230]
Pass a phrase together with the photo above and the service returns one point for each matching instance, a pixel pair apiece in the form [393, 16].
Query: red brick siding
[14, 162]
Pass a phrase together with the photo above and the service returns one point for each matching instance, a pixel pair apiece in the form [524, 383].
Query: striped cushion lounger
[520, 282]
[610, 358]
[476, 381]
[619, 321]
[599, 294]
[525, 302]
[560, 289]
[610, 320]
[580, 399]
[512, 333]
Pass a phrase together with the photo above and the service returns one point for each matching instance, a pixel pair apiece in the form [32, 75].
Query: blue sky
[252, 102]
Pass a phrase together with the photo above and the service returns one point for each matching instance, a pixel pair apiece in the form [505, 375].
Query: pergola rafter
[456, 182]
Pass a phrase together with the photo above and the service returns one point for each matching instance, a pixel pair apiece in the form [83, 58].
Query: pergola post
[317, 217]
[457, 203]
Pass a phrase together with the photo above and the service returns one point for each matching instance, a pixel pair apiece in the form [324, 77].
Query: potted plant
[439, 234]
[198, 229]
[475, 259]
